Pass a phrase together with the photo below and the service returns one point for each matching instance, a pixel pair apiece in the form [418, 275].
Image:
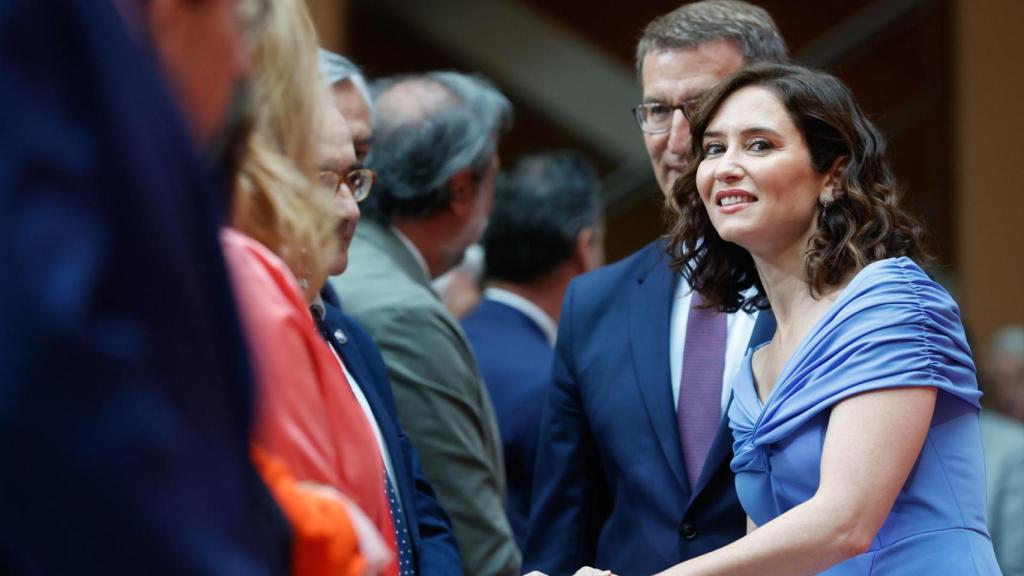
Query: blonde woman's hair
[278, 200]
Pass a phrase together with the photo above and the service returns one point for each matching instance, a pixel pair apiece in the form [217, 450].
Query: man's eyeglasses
[359, 181]
[656, 117]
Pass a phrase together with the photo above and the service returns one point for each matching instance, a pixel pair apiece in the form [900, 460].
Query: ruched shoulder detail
[892, 326]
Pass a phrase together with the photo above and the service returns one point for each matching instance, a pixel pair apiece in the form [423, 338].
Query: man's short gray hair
[449, 122]
[691, 25]
[336, 68]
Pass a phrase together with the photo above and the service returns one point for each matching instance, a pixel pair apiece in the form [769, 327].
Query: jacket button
[689, 533]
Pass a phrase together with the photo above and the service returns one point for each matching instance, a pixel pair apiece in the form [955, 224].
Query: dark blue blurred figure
[546, 228]
[125, 394]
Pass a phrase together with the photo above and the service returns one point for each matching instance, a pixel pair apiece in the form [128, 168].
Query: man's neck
[431, 242]
[421, 245]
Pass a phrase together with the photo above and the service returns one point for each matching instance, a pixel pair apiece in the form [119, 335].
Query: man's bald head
[429, 128]
[411, 101]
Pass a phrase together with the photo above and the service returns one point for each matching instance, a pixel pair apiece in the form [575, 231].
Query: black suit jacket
[429, 526]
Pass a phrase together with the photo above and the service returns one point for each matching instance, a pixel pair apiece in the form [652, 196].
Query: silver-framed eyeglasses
[359, 181]
[656, 117]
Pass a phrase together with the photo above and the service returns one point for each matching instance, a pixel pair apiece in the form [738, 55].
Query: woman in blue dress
[856, 442]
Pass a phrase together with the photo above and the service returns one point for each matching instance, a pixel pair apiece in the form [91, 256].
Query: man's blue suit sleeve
[571, 499]
[439, 554]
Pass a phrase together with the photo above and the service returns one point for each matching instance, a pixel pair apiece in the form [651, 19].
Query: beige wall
[990, 149]
[329, 18]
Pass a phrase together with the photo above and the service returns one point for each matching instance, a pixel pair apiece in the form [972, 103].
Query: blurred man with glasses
[632, 470]
[423, 535]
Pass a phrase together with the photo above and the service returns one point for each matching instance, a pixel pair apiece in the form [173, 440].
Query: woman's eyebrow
[744, 132]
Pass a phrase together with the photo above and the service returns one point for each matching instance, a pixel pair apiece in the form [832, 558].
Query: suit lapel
[387, 241]
[352, 355]
[650, 300]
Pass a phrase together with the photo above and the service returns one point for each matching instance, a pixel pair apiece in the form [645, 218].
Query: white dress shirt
[531, 310]
[318, 308]
[739, 327]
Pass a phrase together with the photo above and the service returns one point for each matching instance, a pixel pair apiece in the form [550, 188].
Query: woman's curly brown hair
[864, 223]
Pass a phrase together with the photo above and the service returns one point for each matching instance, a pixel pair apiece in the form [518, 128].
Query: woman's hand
[588, 571]
[372, 546]
[585, 571]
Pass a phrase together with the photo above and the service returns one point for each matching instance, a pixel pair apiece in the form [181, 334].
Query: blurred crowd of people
[227, 347]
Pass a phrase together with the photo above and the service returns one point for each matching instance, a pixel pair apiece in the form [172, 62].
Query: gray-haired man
[622, 481]
[435, 154]
[351, 98]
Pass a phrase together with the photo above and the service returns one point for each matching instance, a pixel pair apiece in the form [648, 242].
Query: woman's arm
[872, 443]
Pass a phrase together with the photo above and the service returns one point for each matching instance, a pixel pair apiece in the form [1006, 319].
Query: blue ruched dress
[892, 326]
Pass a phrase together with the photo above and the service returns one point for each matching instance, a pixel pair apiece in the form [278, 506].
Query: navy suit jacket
[515, 360]
[611, 489]
[125, 393]
[428, 524]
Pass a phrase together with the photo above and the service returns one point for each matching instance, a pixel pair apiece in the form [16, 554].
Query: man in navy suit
[632, 474]
[545, 229]
[126, 397]
[417, 516]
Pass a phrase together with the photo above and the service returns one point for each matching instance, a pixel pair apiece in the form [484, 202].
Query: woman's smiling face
[755, 176]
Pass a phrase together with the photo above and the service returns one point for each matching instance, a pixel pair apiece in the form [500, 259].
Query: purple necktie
[700, 385]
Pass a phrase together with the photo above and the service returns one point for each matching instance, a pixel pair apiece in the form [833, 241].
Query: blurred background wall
[989, 169]
[942, 78]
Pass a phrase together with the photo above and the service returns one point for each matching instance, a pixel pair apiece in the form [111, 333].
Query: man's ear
[581, 252]
[462, 192]
[588, 253]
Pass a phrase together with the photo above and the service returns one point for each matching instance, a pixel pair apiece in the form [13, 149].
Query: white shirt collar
[416, 254]
[531, 310]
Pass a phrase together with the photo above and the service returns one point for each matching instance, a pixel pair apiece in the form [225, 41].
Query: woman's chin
[735, 235]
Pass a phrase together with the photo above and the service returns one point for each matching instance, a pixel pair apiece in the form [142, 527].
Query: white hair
[336, 68]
